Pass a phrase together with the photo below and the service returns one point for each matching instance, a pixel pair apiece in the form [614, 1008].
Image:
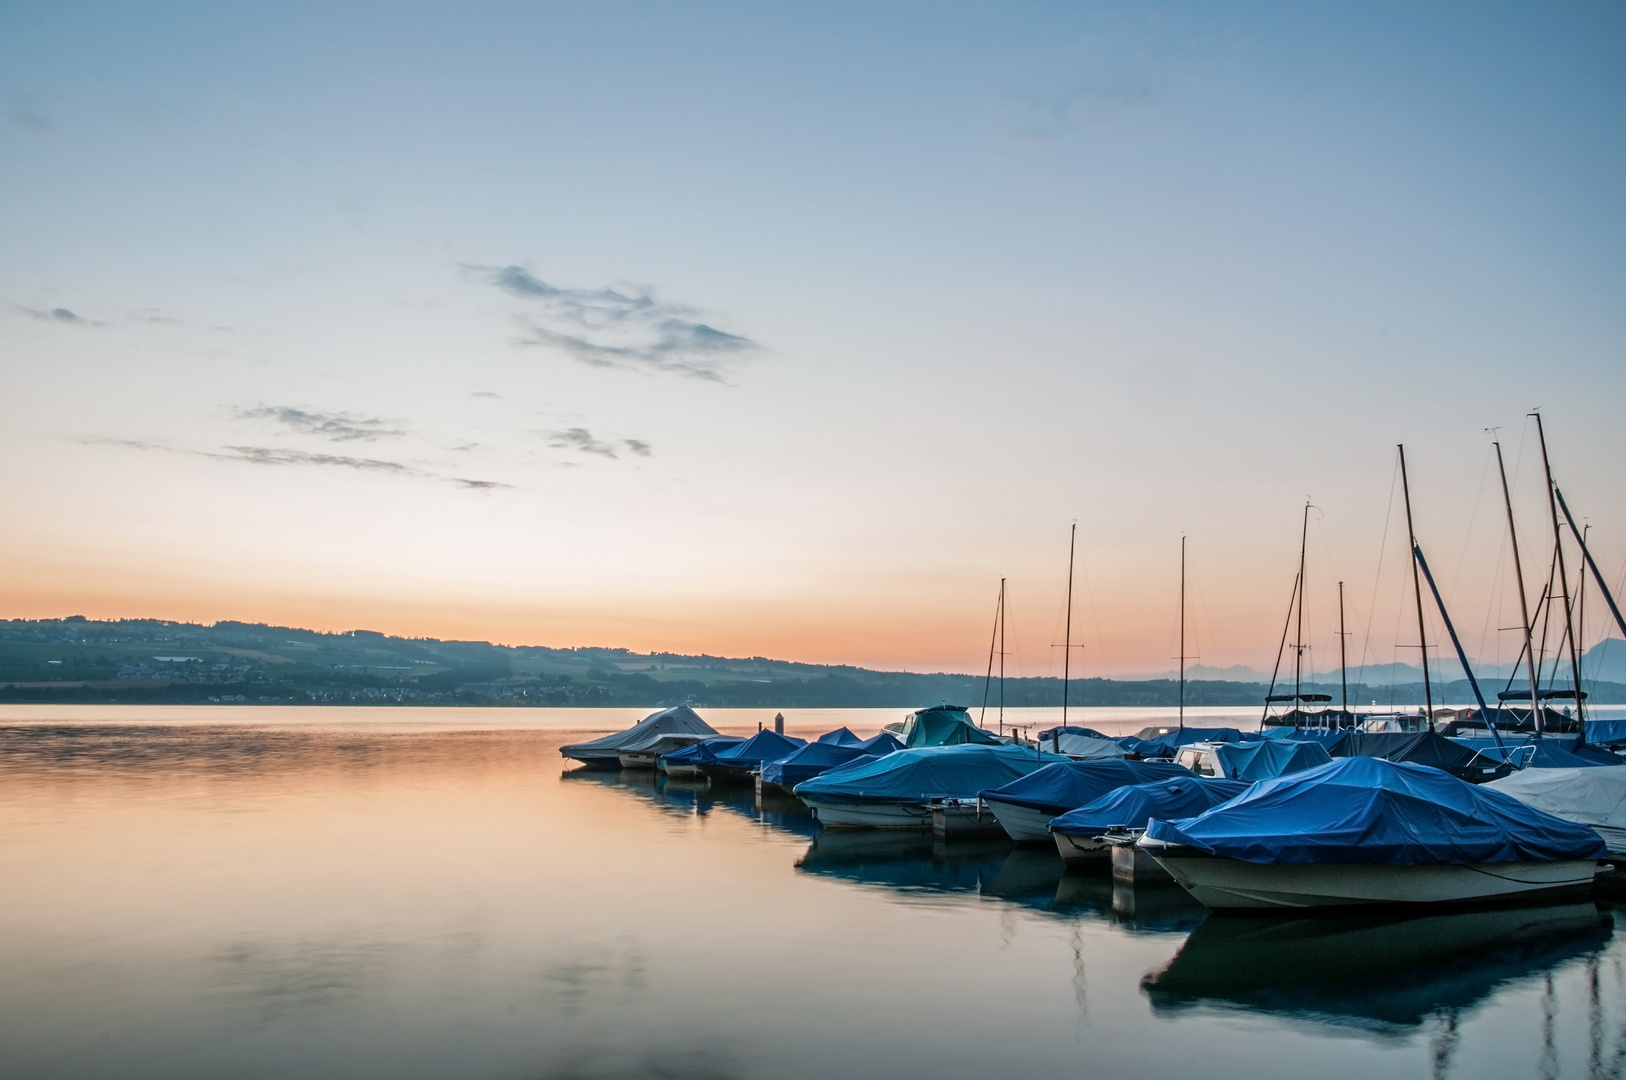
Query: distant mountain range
[1604, 662]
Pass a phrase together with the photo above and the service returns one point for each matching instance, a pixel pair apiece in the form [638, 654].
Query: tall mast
[1298, 630]
[1524, 604]
[1343, 657]
[1067, 645]
[993, 637]
[1182, 633]
[1002, 656]
[1417, 588]
[1563, 575]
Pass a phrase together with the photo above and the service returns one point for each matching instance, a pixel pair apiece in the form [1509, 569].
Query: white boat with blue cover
[1025, 807]
[897, 791]
[1363, 831]
[1078, 833]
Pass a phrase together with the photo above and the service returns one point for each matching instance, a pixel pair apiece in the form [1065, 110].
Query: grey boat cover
[678, 720]
[1590, 796]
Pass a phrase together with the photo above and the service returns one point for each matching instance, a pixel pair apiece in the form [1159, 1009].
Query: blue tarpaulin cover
[929, 772]
[1370, 811]
[1166, 745]
[1606, 731]
[943, 726]
[1325, 737]
[701, 753]
[884, 743]
[1570, 754]
[1420, 748]
[765, 745]
[1132, 807]
[839, 737]
[808, 762]
[1068, 784]
[1265, 759]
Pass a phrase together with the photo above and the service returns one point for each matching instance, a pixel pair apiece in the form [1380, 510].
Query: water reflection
[689, 797]
[1380, 973]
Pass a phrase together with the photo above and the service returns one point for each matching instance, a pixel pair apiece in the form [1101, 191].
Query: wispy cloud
[620, 327]
[583, 441]
[25, 113]
[57, 315]
[272, 456]
[336, 427]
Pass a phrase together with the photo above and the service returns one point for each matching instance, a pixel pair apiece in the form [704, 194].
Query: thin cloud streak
[583, 441]
[57, 315]
[267, 455]
[336, 427]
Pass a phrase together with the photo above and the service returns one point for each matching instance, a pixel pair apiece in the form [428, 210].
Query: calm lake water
[433, 893]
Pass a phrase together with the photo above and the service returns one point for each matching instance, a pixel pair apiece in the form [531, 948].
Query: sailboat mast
[1067, 642]
[1298, 629]
[1002, 656]
[1343, 656]
[1182, 633]
[1417, 588]
[1524, 603]
[1563, 574]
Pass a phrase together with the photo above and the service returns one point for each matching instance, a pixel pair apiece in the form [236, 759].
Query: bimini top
[1067, 785]
[765, 745]
[808, 762]
[943, 725]
[1265, 759]
[1420, 748]
[1370, 811]
[1589, 796]
[918, 775]
[1132, 807]
[839, 737]
[702, 753]
[678, 720]
[1165, 745]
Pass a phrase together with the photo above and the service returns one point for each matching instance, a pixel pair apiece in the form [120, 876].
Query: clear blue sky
[790, 329]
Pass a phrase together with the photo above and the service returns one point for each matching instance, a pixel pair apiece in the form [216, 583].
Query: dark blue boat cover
[808, 762]
[1370, 811]
[1421, 748]
[702, 752]
[765, 745]
[1554, 753]
[1132, 807]
[1604, 732]
[884, 743]
[1065, 785]
[1265, 759]
[1166, 745]
[1325, 737]
[928, 772]
[839, 737]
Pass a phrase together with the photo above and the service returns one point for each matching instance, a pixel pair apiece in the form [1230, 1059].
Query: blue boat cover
[1421, 748]
[808, 762]
[884, 743]
[1065, 785]
[1604, 732]
[1370, 811]
[839, 737]
[1265, 759]
[1132, 807]
[1554, 753]
[942, 726]
[1166, 745]
[765, 745]
[1325, 737]
[924, 773]
[702, 752]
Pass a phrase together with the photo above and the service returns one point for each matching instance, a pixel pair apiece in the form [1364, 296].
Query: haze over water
[427, 893]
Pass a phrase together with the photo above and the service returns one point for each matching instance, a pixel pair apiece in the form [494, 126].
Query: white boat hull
[1081, 850]
[1024, 824]
[636, 759]
[869, 815]
[1223, 883]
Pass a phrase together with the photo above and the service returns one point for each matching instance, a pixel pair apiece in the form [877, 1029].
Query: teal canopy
[943, 725]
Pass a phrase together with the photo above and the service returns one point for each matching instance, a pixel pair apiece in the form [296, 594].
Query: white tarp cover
[1595, 797]
[678, 720]
[1087, 747]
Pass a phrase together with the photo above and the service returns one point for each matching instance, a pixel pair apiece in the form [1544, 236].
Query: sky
[789, 330]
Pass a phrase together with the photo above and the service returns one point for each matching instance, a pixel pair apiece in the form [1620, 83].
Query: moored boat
[1257, 759]
[1128, 809]
[897, 791]
[1025, 807]
[1594, 797]
[740, 762]
[1362, 831]
[605, 752]
[647, 752]
[688, 762]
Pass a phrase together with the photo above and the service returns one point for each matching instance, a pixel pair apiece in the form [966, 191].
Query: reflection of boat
[1154, 909]
[1373, 971]
[605, 752]
[908, 862]
[687, 797]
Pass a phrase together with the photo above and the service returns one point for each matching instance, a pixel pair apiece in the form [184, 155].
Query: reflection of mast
[1563, 575]
[1417, 588]
[1524, 604]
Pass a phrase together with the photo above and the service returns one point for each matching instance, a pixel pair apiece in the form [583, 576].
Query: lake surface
[203, 892]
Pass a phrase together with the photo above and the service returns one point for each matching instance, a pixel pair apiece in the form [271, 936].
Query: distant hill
[154, 661]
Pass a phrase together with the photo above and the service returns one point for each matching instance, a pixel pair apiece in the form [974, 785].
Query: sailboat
[1296, 715]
